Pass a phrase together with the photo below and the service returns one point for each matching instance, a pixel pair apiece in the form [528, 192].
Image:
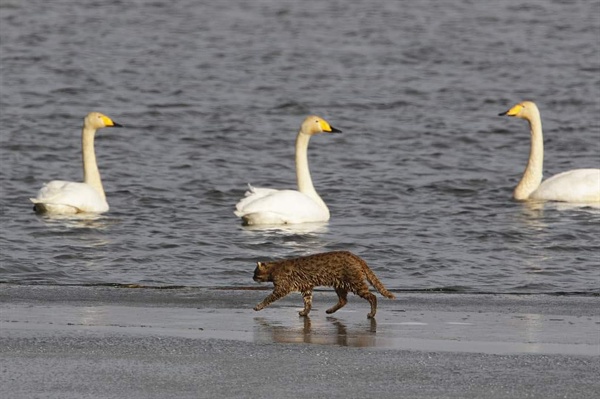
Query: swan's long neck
[91, 174]
[305, 184]
[532, 177]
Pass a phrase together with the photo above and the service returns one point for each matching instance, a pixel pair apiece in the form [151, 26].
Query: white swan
[60, 197]
[267, 206]
[578, 185]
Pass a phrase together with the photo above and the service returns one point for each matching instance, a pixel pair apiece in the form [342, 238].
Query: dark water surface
[213, 93]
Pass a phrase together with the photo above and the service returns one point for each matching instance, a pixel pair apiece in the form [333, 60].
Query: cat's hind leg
[307, 296]
[342, 300]
[364, 292]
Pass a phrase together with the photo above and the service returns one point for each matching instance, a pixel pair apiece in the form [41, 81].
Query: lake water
[212, 94]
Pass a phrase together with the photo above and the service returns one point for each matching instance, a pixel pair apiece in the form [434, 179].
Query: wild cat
[342, 270]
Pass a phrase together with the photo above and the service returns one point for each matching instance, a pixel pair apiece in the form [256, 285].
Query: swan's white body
[267, 206]
[578, 185]
[60, 197]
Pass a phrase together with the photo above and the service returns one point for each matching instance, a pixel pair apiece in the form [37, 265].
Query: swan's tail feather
[251, 190]
[250, 196]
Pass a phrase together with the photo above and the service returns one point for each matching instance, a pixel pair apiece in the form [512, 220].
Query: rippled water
[213, 93]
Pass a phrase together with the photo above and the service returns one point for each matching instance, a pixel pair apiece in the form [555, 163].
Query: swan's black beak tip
[334, 130]
[115, 124]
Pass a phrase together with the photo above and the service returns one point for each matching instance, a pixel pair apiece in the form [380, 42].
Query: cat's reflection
[332, 331]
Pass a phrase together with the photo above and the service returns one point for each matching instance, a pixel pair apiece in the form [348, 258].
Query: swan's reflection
[290, 229]
[591, 207]
[535, 214]
[535, 209]
[332, 331]
[532, 215]
[307, 238]
[80, 220]
[87, 228]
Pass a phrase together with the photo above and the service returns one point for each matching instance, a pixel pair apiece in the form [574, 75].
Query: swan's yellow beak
[109, 122]
[514, 111]
[326, 127]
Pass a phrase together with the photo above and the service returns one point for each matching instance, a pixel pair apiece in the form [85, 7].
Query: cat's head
[262, 272]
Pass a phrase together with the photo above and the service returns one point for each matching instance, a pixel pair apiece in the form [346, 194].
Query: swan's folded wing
[77, 195]
[253, 194]
[578, 185]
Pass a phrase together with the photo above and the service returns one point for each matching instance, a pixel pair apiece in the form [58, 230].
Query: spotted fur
[342, 270]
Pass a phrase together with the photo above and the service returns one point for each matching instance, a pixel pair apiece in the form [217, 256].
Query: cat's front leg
[307, 296]
[275, 295]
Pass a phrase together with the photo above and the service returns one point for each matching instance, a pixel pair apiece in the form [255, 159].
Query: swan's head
[96, 120]
[315, 125]
[524, 110]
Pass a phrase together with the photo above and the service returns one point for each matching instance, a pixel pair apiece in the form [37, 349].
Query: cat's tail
[372, 278]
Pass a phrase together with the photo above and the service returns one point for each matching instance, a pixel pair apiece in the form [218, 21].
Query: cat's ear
[261, 265]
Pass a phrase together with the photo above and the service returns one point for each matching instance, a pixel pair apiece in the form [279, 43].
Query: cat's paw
[258, 307]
